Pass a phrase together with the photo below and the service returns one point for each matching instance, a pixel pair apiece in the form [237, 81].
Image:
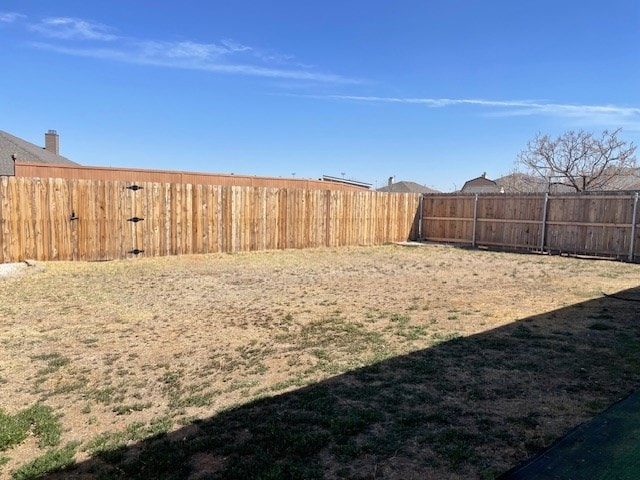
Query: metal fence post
[632, 244]
[475, 220]
[420, 219]
[544, 222]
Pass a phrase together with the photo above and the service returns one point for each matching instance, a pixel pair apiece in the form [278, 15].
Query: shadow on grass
[466, 408]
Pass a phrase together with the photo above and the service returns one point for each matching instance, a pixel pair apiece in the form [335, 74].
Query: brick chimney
[51, 142]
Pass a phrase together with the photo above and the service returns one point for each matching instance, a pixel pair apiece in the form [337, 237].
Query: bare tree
[579, 160]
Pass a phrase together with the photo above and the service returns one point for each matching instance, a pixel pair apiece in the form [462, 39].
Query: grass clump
[401, 319]
[110, 445]
[12, 431]
[52, 461]
[127, 409]
[54, 362]
[454, 445]
[105, 395]
[38, 418]
[440, 337]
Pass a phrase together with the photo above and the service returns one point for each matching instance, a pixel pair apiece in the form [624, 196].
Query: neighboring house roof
[346, 181]
[24, 151]
[629, 181]
[480, 184]
[523, 183]
[407, 187]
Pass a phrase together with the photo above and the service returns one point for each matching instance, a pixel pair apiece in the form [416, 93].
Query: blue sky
[436, 92]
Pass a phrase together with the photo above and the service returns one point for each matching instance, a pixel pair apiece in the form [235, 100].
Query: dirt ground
[126, 346]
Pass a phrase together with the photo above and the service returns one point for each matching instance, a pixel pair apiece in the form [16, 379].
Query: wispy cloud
[191, 57]
[620, 115]
[179, 50]
[10, 17]
[67, 28]
[77, 37]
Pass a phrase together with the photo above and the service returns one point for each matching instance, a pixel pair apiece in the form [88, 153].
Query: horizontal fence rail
[65, 219]
[87, 172]
[595, 224]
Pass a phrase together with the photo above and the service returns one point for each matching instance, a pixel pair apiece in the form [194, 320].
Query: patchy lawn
[388, 362]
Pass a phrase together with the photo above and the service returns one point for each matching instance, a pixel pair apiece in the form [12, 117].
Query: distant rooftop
[521, 182]
[480, 184]
[407, 187]
[346, 181]
[14, 149]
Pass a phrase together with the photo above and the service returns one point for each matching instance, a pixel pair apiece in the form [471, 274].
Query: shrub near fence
[596, 224]
[62, 219]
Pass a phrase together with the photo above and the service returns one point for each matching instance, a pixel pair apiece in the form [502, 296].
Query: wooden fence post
[475, 220]
[632, 245]
[544, 222]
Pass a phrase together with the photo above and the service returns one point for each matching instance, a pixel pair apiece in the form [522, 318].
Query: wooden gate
[105, 220]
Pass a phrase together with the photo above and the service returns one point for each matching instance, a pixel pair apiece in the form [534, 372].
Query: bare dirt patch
[434, 362]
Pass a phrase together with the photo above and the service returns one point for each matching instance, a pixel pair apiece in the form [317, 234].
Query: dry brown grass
[149, 345]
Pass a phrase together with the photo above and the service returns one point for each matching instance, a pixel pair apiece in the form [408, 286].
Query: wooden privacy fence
[62, 219]
[596, 224]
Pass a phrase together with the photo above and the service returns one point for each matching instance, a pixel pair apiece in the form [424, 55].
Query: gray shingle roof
[407, 187]
[25, 152]
[480, 185]
[522, 183]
